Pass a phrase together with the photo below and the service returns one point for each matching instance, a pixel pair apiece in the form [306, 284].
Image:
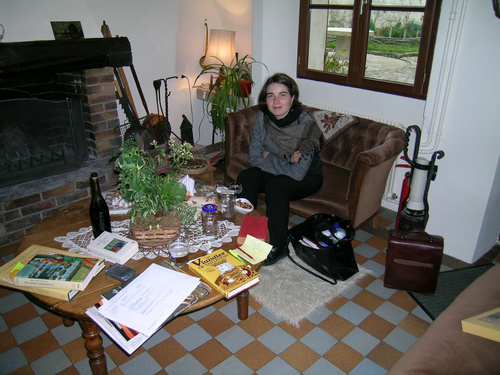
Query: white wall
[463, 90]
[167, 39]
[460, 116]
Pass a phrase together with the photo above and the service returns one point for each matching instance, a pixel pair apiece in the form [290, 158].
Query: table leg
[93, 344]
[242, 301]
[68, 322]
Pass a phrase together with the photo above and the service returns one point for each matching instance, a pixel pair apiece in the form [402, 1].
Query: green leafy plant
[179, 155]
[141, 183]
[231, 90]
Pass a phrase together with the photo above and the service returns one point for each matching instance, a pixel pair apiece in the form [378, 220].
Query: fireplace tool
[166, 128]
[414, 212]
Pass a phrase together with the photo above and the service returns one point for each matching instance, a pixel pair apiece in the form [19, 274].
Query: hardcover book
[255, 226]
[486, 325]
[62, 294]
[225, 273]
[54, 268]
[113, 247]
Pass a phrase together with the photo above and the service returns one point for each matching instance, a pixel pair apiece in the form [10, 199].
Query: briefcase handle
[416, 231]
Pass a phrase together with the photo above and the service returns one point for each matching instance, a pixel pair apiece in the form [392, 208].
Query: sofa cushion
[333, 124]
[330, 198]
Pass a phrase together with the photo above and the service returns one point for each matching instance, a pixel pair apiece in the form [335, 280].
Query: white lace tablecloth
[77, 241]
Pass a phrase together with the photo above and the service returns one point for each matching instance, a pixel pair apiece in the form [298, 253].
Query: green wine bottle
[99, 211]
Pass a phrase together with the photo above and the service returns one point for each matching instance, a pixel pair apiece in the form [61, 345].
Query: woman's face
[278, 100]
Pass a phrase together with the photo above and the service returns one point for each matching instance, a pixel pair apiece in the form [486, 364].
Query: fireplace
[63, 115]
[39, 138]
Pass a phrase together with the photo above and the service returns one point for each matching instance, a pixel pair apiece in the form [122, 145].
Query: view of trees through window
[349, 42]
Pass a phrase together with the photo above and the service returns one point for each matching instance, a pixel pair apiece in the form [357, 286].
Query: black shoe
[276, 253]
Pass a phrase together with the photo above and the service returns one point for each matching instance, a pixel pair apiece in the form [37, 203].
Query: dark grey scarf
[289, 135]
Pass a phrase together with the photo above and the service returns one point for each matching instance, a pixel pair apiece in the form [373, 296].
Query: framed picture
[496, 6]
[67, 30]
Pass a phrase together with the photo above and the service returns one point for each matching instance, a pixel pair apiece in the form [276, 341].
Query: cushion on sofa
[333, 124]
[330, 198]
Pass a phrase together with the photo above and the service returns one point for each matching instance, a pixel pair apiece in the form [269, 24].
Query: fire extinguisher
[414, 211]
[405, 189]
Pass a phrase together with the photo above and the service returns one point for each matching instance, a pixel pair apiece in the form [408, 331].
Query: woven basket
[154, 238]
[197, 165]
[158, 231]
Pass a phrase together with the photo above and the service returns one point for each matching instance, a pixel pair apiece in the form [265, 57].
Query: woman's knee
[249, 174]
[277, 184]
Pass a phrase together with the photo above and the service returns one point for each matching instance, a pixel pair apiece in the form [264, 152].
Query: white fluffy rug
[293, 294]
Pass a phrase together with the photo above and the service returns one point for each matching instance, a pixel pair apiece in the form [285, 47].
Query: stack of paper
[143, 306]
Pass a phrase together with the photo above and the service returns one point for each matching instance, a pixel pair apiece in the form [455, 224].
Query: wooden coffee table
[70, 219]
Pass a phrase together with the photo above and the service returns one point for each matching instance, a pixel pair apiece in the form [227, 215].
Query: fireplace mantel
[55, 56]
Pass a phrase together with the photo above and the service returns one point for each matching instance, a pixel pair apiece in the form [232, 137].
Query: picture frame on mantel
[496, 6]
[67, 30]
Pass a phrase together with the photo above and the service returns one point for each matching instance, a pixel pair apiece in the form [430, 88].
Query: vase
[156, 230]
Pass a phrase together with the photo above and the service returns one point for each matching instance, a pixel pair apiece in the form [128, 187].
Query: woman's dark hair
[284, 79]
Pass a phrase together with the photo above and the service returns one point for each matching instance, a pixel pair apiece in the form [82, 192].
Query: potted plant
[231, 90]
[158, 199]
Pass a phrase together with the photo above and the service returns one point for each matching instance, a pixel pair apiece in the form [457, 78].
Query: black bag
[335, 261]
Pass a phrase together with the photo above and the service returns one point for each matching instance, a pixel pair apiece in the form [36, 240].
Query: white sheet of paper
[149, 300]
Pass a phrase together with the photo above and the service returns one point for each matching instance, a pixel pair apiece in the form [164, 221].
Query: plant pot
[246, 87]
[156, 230]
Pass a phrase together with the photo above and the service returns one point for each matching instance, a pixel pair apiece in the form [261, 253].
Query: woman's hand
[264, 154]
[295, 157]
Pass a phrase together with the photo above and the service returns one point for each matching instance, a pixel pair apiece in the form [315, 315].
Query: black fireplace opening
[40, 138]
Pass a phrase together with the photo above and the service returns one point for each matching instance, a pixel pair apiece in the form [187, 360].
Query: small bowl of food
[243, 205]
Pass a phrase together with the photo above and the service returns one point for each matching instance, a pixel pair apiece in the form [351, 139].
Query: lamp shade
[220, 47]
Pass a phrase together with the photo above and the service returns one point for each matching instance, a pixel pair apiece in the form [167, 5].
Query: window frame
[358, 51]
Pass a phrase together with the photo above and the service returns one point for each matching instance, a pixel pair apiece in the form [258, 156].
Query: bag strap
[334, 282]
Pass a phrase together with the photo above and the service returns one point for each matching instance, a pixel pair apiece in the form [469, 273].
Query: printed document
[147, 302]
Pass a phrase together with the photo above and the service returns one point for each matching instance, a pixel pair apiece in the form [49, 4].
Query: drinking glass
[220, 185]
[236, 187]
[227, 201]
[178, 249]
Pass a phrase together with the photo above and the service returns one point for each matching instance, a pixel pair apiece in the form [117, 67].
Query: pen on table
[239, 258]
[244, 252]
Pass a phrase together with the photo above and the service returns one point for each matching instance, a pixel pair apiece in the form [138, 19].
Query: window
[379, 45]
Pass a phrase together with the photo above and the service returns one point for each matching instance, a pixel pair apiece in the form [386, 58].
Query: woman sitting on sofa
[284, 158]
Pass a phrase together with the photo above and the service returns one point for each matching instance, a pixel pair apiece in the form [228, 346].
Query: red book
[255, 226]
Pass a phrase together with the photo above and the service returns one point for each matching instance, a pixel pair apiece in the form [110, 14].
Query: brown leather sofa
[356, 165]
[445, 349]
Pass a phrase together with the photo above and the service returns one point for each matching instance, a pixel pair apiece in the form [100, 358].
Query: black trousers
[279, 191]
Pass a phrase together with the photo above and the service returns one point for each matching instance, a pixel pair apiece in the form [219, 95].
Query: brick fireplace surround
[24, 205]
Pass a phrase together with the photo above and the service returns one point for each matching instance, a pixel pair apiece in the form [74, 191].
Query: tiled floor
[364, 331]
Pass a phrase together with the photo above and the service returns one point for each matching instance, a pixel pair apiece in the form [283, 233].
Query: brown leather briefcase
[413, 261]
